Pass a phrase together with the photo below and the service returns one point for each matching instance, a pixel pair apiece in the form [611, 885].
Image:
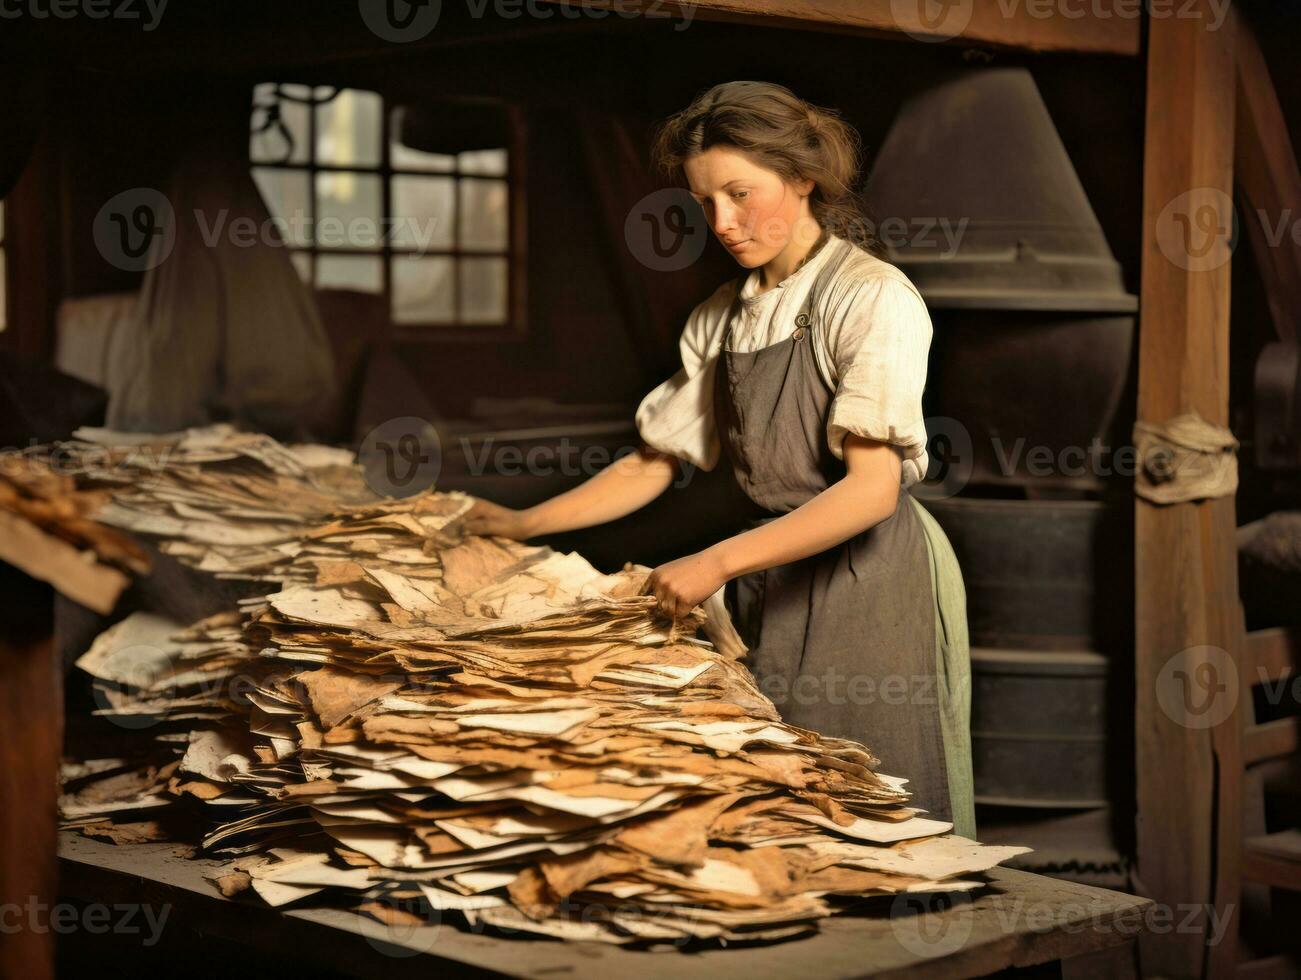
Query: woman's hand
[679, 586]
[492, 519]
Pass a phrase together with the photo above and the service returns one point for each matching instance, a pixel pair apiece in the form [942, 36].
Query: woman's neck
[807, 234]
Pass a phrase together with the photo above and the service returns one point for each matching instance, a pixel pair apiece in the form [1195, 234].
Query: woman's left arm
[865, 496]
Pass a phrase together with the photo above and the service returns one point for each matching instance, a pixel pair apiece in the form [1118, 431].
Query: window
[418, 204]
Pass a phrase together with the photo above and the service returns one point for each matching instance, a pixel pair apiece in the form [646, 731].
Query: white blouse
[871, 336]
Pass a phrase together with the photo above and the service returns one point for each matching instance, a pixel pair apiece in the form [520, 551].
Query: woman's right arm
[676, 415]
[628, 484]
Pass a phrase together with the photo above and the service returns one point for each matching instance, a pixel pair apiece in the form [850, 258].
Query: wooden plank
[1274, 859]
[1272, 740]
[31, 703]
[1186, 598]
[1023, 920]
[1099, 27]
[1269, 184]
[1270, 968]
[1273, 653]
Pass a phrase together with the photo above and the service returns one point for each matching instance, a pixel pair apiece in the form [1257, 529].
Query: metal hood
[978, 156]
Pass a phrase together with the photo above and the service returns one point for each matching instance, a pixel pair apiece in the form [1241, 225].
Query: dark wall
[121, 124]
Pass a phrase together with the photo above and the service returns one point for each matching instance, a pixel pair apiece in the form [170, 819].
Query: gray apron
[843, 642]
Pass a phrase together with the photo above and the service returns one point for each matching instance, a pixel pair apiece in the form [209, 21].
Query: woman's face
[753, 211]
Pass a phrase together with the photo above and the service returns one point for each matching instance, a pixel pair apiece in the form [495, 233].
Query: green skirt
[953, 670]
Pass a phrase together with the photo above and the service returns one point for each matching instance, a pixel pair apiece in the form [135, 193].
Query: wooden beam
[1271, 740]
[31, 699]
[1099, 27]
[1273, 653]
[1187, 604]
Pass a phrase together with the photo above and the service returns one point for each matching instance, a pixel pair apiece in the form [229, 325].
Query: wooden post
[31, 700]
[1188, 614]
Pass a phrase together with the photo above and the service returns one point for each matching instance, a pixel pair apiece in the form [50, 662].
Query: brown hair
[780, 131]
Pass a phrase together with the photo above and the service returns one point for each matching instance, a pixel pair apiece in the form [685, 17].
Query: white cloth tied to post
[1184, 458]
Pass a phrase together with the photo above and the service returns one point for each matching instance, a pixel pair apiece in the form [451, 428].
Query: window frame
[514, 327]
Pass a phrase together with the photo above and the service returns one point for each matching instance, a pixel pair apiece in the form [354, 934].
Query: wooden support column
[31, 699]
[1189, 630]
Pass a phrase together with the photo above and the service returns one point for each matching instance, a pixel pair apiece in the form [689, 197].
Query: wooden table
[1021, 920]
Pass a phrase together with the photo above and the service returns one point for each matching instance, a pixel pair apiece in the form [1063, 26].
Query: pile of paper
[422, 720]
[46, 530]
[146, 669]
[170, 694]
[230, 503]
[534, 773]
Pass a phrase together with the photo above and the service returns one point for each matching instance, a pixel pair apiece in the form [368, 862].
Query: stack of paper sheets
[46, 530]
[230, 503]
[423, 719]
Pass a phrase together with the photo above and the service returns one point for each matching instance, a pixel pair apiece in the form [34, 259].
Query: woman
[806, 375]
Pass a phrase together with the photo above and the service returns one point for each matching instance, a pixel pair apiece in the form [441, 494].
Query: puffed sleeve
[878, 340]
[677, 417]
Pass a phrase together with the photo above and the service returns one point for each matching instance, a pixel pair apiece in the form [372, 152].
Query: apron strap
[823, 282]
[820, 284]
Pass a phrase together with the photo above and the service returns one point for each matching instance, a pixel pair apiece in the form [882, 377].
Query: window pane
[348, 128]
[489, 162]
[402, 157]
[304, 92]
[348, 209]
[303, 263]
[271, 145]
[287, 197]
[483, 214]
[423, 212]
[422, 289]
[359, 272]
[483, 290]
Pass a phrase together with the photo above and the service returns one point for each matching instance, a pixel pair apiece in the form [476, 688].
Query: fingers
[668, 603]
[488, 519]
[655, 587]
